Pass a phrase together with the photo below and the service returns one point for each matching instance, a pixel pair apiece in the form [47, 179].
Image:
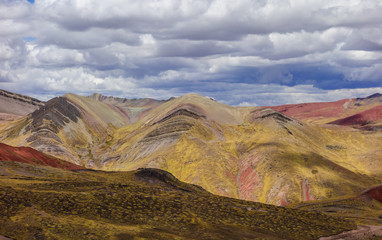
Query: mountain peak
[196, 96]
[96, 96]
[372, 96]
[375, 95]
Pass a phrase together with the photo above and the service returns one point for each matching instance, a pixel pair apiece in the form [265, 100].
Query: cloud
[6, 76]
[192, 49]
[361, 44]
[241, 52]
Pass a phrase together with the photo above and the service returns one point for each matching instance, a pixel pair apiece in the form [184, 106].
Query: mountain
[132, 109]
[251, 153]
[39, 202]
[357, 112]
[71, 127]
[31, 156]
[370, 119]
[13, 105]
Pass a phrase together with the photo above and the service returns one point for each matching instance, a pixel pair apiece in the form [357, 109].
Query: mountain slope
[373, 193]
[13, 105]
[347, 111]
[364, 208]
[47, 203]
[70, 127]
[250, 153]
[370, 119]
[31, 156]
[132, 109]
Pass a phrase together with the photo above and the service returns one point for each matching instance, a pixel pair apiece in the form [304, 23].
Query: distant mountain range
[279, 154]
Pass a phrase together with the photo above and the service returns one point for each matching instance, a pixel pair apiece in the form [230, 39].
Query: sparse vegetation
[363, 212]
[144, 204]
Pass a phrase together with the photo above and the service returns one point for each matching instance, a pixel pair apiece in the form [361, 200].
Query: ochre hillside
[250, 153]
[253, 154]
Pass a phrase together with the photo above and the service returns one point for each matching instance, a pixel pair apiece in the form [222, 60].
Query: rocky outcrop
[173, 124]
[268, 113]
[181, 112]
[55, 114]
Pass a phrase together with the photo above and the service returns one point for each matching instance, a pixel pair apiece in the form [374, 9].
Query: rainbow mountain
[278, 155]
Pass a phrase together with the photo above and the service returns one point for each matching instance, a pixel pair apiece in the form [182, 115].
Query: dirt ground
[362, 232]
[4, 238]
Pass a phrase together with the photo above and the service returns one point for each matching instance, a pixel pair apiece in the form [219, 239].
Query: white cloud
[271, 95]
[213, 47]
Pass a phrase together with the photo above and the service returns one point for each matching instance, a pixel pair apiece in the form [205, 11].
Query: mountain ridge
[14, 106]
[251, 153]
[330, 112]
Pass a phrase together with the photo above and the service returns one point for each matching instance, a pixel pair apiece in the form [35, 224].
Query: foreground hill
[38, 202]
[365, 209]
[249, 153]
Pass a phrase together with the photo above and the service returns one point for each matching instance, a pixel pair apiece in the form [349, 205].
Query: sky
[242, 52]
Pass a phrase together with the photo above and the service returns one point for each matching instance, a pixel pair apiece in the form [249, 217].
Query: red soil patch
[247, 174]
[362, 118]
[230, 175]
[306, 196]
[31, 156]
[284, 201]
[374, 193]
[308, 110]
[248, 179]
